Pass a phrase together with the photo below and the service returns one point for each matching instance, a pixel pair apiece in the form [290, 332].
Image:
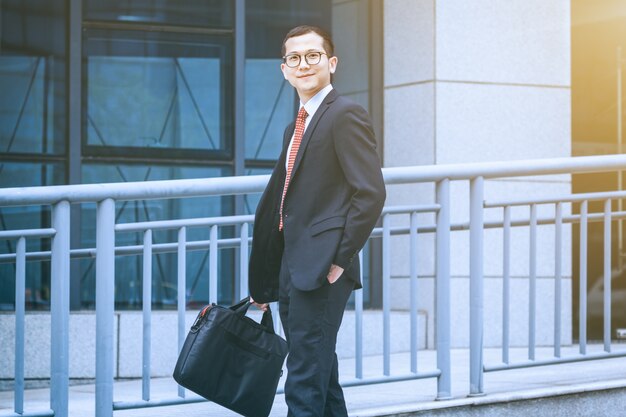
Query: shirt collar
[315, 102]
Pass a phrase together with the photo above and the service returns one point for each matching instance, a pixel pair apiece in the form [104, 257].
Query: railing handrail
[106, 196]
[201, 187]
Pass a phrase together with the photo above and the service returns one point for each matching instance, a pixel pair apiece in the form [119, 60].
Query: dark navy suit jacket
[335, 196]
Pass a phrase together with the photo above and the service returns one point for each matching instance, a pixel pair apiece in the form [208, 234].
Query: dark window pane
[351, 35]
[203, 13]
[268, 21]
[271, 102]
[159, 92]
[15, 218]
[27, 174]
[32, 77]
[270, 106]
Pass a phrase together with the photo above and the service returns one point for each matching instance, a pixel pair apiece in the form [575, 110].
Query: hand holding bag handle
[242, 306]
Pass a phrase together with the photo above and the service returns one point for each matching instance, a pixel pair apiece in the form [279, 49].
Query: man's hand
[260, 306]
[334, 273]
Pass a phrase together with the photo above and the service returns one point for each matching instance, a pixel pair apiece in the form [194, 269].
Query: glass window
[128, 269]
[32, 77]
[268, 21]
[15, 218]
[158, 91]
[270, 104]
[203, 13]
[351, 35]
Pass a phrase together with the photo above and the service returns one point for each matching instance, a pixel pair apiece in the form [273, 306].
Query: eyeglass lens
[311, 58]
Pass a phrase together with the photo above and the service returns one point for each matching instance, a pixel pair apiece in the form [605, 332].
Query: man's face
[307, 78]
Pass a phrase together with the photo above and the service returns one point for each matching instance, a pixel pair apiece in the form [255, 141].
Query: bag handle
[267, 321]
[242, 306]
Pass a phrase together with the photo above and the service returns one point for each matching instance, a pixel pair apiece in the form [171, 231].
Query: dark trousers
[311, 320]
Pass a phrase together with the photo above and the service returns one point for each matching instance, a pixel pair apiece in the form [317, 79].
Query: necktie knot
[302, 114]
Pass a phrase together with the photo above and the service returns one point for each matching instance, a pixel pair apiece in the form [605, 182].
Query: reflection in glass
[27, 106]
[270, 107]
[158, 93]
[154, 102]
[17, 218]
[32, 77]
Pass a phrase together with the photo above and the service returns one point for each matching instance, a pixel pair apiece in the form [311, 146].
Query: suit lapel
[287, 139]
[311, 129]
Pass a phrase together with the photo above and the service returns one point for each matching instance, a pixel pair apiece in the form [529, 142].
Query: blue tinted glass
[30, 174]
[271, 102]
[160, 93]
[203, 13]
[15, 218]
[270, 105]
[129, 268]
[252, 200]
[268, 21]
[32, 77]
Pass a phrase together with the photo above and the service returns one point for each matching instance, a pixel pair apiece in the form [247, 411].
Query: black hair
[329, 47]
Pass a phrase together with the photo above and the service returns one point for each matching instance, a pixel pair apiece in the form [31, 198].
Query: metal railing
[106, 195]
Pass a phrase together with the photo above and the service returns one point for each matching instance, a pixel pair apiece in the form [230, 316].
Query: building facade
[127, 90]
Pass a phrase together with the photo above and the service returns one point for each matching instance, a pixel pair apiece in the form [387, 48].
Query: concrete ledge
[128, 342]
[597, 398]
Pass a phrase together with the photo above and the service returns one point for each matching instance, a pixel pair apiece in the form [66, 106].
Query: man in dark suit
[318, 210]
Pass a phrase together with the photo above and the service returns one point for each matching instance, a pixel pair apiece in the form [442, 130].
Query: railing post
[181, 285]
[243, 261]
[442, 315]
[413, 247]
[506, 284]
[213, 265]
[105, 303]
[60, 310]
[532, 283]
[147, 313]
[607, 275]
[20, 307]
[558, 237]
[476, 286]
[582, 289]
[386, 294]
[358, 326]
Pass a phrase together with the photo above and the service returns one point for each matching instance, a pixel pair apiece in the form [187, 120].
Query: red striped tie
[297, 138]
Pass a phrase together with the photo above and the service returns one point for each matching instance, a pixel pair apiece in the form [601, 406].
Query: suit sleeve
[355, 147]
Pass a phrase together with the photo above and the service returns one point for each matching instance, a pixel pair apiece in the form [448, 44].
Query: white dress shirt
[311, 107]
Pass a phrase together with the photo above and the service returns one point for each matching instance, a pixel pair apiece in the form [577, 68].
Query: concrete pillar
[472, 82]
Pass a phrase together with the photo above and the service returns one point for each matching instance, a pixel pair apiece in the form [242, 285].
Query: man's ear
[332, 63]
[283, 69]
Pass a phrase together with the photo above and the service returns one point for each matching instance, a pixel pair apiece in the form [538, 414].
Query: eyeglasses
[311, 58]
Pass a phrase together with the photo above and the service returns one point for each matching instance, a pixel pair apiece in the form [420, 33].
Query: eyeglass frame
[305, 58]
